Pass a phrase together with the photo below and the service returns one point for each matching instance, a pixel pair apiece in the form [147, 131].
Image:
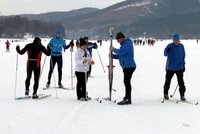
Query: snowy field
[66, 115]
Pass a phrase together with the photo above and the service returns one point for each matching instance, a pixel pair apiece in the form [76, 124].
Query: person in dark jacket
[175, 53]
[57, 45]
[126, 59]
[90, 46]
[34, 51]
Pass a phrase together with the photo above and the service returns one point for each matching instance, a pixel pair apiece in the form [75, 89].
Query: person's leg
[60, 64]
[181, 84]
[168, 78]
[51, 67]
[36, 80]
[127, 82]
[27, 81]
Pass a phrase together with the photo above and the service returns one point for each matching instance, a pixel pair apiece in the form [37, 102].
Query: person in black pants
[126, 59]
[83, 61]
[175, 53]
[34, 51]
[57, 45]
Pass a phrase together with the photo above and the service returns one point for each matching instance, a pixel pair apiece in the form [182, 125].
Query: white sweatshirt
[79, 58]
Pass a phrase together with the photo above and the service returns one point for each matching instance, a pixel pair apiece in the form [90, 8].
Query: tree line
[17, 27]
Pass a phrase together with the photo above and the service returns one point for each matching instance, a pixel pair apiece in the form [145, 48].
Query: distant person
[57, 44]
[175, 53]
[34, 51]
[126, 59]
[197, 41]
[83, 60]
[90, 46]
[7, 46]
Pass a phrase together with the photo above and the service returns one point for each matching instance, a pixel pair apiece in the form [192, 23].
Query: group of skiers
[83, 58]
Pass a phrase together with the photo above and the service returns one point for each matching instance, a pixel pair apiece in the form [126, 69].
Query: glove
[17, 48]
[49, 48]
[95, 45]
[169, 50]
[71, 43]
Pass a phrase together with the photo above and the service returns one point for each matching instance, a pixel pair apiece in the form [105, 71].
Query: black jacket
[34, 51]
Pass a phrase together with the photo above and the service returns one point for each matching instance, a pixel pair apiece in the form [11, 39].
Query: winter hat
[82, 42]
[120, 35]
[176, 37]
[58, 31]
[85, 38]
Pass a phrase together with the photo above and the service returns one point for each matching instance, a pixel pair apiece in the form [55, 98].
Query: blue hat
[58, 31]
[176, 37]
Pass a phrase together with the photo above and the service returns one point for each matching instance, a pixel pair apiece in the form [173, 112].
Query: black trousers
[128, 72]
[36, 78]
[168, 78]
[53, 61]
[81, 84]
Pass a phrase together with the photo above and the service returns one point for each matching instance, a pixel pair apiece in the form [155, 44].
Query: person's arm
[21, 51]
[167, 50]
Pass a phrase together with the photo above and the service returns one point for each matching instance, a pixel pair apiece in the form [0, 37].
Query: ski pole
[174, 91]
[71, 50]
[42, 68]
[101, 61]
[16, 76]
[51, 62]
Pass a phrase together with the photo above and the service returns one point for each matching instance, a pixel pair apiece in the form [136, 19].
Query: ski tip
[197, 103]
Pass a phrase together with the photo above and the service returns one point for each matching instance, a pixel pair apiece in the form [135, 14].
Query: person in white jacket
[82, 62]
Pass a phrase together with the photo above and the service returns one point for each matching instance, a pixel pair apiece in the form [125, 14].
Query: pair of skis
[177, 101]
[40, 96]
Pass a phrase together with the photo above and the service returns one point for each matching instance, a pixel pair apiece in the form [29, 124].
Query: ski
[109, 99]
[110, 66]
[22, 97]
[42, 96]
[169, 100]
[72, 88]
[189, 102]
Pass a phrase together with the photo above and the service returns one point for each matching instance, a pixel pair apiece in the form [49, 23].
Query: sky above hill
[14, 7]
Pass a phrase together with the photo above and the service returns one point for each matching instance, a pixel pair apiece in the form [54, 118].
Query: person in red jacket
[34, 51]
[7, 46]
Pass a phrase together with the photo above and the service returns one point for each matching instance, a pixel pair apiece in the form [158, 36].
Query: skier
[34, 51]
[7, 46]
[126, 59]
[175, 53]
[57, 44]
[90, 46]
[82, 60]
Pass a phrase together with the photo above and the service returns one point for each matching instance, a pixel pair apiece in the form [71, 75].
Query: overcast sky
[13, 7]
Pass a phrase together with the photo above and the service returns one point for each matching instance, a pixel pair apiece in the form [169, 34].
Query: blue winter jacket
[175, 57]
[57, 45]
[125, 54]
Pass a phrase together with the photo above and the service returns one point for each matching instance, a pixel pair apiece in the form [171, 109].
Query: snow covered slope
[66, 115]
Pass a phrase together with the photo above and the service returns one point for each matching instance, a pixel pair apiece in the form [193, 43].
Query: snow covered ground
[66, 115]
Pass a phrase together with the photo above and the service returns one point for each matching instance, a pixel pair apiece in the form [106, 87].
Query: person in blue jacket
[57, 44]
[90, 46]
[175, 53]
[126, 59]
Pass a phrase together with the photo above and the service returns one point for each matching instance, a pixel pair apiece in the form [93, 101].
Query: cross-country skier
[90, 46]
[7, 46]
[57, 44]
[83, 61]
[126, 59]
[175, 53]
[34, 51]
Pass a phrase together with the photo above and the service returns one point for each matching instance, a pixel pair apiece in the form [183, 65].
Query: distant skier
[7, 46]
[57, 44]
[83, 60]
[34, 51]
[90, 46]
[126, 59]
[175, 53]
